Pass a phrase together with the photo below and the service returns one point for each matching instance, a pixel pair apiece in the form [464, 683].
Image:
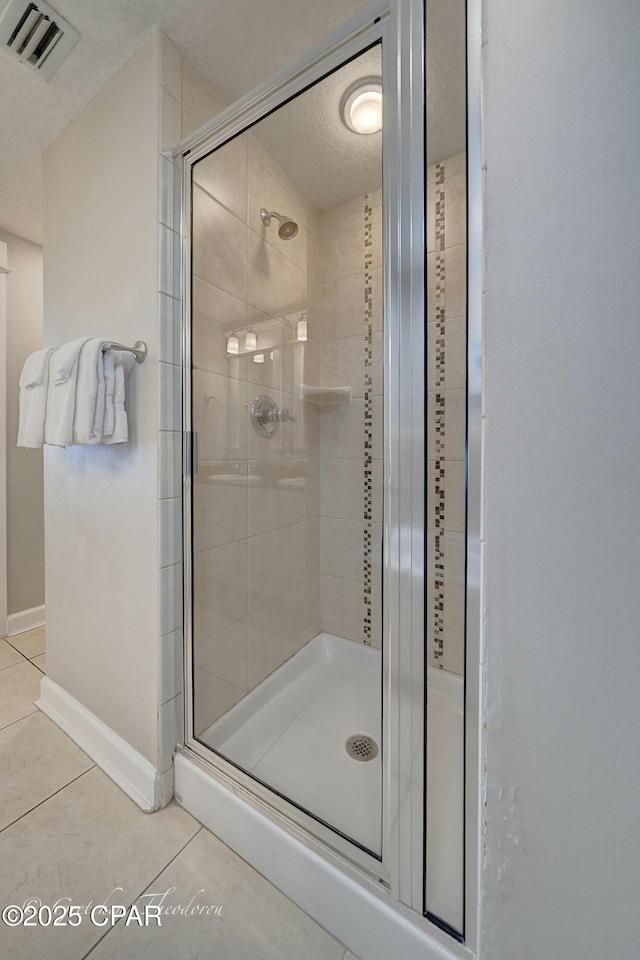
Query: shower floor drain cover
[361, 747]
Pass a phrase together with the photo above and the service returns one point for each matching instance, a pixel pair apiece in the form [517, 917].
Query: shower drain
[361, 747]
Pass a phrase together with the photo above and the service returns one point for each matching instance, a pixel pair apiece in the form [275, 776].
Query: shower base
[290, 733]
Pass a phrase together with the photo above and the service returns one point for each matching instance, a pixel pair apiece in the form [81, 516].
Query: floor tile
[31, 643]
[36, 760]
[82, 843]
[8, 655]
[19, 687]
[40, 662]
[257, 922]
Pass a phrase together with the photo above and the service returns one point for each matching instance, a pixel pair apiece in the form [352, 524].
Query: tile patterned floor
[66, 831]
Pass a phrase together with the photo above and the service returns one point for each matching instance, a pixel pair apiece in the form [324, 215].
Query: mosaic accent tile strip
[368, 411]
[440, 464]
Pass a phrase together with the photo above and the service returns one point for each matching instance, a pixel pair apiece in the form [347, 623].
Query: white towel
[88, 419]
[61, 393]
[109, 391]
[34, 381]
[121, 427]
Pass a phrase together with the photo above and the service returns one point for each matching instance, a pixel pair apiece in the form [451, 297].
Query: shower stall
[315, 623]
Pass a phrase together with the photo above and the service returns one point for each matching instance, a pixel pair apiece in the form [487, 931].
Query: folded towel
[35, 367]
[34, 381]
[121, 427]
[90, 393]
[109, 391]
[61, 393]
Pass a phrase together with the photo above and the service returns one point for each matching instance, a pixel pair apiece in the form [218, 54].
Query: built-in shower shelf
[321, 395]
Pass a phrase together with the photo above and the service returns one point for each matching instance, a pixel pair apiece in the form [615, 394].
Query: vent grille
[36, 35]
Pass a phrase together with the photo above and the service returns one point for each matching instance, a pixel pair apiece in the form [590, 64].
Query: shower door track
[399, 24]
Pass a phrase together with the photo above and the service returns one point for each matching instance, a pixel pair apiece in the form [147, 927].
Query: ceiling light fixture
[250, 340]
[361, 106]
[233, 344]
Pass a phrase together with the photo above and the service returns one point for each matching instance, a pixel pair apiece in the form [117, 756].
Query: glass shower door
[286, 398]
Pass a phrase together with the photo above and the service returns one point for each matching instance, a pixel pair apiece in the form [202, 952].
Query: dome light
[362, 106]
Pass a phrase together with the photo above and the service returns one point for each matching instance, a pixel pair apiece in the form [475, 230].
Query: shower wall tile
[219, 416]
[191, 76]
[216, 315]
[167, 248]
[270, 639]
[170, 662]
[270, 495]
[169, 332]
[223, 175]
[212, 702]
[219, 653]
[342, 608]
[456, 274]
[170, 67]
[269, 571]
[169, 472]
[219, 245]
[305, 489]
[170, 598]
[305, 551]
[170, 531]
[166, 180]
[171, 716]
[220, 505]
[195, 111]
[446, 413]
[456, 210]
[269, 277]
[170, 400]
[456, 353]
[451, 565]
[220, 582]
[170, 122]
[352, 312]
[304, 601]
[341, 488]
[455, 424]
[341, 548]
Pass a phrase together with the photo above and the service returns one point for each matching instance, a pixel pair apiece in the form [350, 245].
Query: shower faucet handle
[281, 415]
[266, 415]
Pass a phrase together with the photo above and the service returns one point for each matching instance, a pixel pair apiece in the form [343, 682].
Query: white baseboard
[126, 767]
[25, 620]
[357, 912]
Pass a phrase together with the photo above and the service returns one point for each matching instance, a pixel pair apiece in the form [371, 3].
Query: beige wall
[101, 279]
[25, 494]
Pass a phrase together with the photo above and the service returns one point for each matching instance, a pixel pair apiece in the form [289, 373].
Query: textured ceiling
[327, 162]
[33, 112]
[236, 44]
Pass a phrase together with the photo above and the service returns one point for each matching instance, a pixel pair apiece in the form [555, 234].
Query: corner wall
[561, 479]
[25, 494]
[101, 503]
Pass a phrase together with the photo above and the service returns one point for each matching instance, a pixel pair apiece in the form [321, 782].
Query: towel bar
[139, 349]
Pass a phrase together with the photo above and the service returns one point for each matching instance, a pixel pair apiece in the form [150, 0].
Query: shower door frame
[399, 24]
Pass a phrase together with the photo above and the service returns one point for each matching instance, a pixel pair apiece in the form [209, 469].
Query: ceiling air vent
[36, 35]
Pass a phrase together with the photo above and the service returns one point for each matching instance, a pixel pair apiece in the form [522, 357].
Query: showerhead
[288, 228]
